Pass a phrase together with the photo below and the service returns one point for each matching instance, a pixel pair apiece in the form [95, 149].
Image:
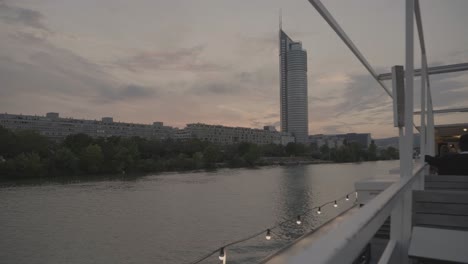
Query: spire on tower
[280, 20]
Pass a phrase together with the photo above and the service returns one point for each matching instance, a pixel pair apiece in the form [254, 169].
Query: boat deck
[442, 205]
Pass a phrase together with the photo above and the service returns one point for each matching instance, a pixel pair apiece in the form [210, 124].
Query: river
[172, 217]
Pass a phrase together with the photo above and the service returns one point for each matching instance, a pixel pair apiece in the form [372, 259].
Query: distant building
[52, 115]
[332, 141]
[269, 128]
[182, 134]
[57, 128]
[107, 120]
[285, 139]
[363, 139]
[231, 135]
[293, 88]
[336, 141]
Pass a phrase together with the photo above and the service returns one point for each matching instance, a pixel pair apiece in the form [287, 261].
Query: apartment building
[232, 135]
[336, 141]
[57, 128]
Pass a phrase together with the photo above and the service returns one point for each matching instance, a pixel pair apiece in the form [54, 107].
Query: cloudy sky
[216, 61]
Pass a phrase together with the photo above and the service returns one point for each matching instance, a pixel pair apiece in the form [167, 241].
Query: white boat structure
[414, 217]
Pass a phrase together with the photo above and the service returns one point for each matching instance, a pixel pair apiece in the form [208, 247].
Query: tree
[295, 149]
[91, 159]
[392, 153]
[211, 155]
[198, 159]
[372, 151]
[325, 151]
[29, 141]
[192, 146]
[126, 154]
[77, 142]
[252, 155]
[65, 161]
[7, 169]
[273, 150]
[389, 153]
[28, 165]
[243, 148]
[8, 147]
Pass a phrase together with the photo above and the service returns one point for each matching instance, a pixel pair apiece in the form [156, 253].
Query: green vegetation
[27, 154]
[353, 152]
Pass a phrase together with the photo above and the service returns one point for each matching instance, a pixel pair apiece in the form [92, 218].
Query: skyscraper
[293, 88]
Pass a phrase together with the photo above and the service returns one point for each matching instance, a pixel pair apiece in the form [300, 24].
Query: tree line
[354, 152]
[27, 154]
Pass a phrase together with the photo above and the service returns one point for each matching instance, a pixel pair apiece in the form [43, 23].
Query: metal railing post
[422, 129]
[430, 125]
[407, 168]
[400, 229]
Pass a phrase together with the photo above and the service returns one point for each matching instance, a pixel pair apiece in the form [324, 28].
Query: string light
[268, 234]
[298, 221]
[221, 253]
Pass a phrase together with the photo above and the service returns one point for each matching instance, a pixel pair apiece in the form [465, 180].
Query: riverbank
[291, 161]
[132, 175]
[27, 154]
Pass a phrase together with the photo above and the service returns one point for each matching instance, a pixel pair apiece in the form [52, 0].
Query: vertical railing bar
[409, 80]
[429, 133]
[430, 123]
[422, 130]
[402, 212]
[387, 255]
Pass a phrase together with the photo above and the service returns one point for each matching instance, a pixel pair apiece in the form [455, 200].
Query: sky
[216, 61]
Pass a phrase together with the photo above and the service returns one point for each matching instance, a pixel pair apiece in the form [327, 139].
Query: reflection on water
[169, 218]
[295, 199]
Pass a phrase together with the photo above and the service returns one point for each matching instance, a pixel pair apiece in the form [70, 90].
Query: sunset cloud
[189, 62]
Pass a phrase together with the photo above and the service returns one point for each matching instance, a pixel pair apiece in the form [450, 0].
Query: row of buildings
[57, 128]
[338, 140]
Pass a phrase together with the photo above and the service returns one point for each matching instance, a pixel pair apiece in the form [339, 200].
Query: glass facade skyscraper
[293, 88]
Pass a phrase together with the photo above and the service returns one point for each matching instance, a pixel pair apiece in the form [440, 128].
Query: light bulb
[465, 129]
[347, 197]
[268, 235]
[221, 253]
[318, 211]
[298, 221]
[335, 205]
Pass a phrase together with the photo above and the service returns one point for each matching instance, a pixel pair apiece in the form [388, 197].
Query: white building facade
[57, 128]
[231, 135]
[336, 141]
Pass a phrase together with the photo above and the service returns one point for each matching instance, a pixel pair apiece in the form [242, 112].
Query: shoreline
[67, 179]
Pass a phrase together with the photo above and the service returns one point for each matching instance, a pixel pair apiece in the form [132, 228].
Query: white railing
[344, 243]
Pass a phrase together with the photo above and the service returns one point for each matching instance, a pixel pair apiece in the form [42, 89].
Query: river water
[172, 217]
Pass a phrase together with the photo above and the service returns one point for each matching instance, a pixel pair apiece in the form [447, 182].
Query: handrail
[347, 240]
